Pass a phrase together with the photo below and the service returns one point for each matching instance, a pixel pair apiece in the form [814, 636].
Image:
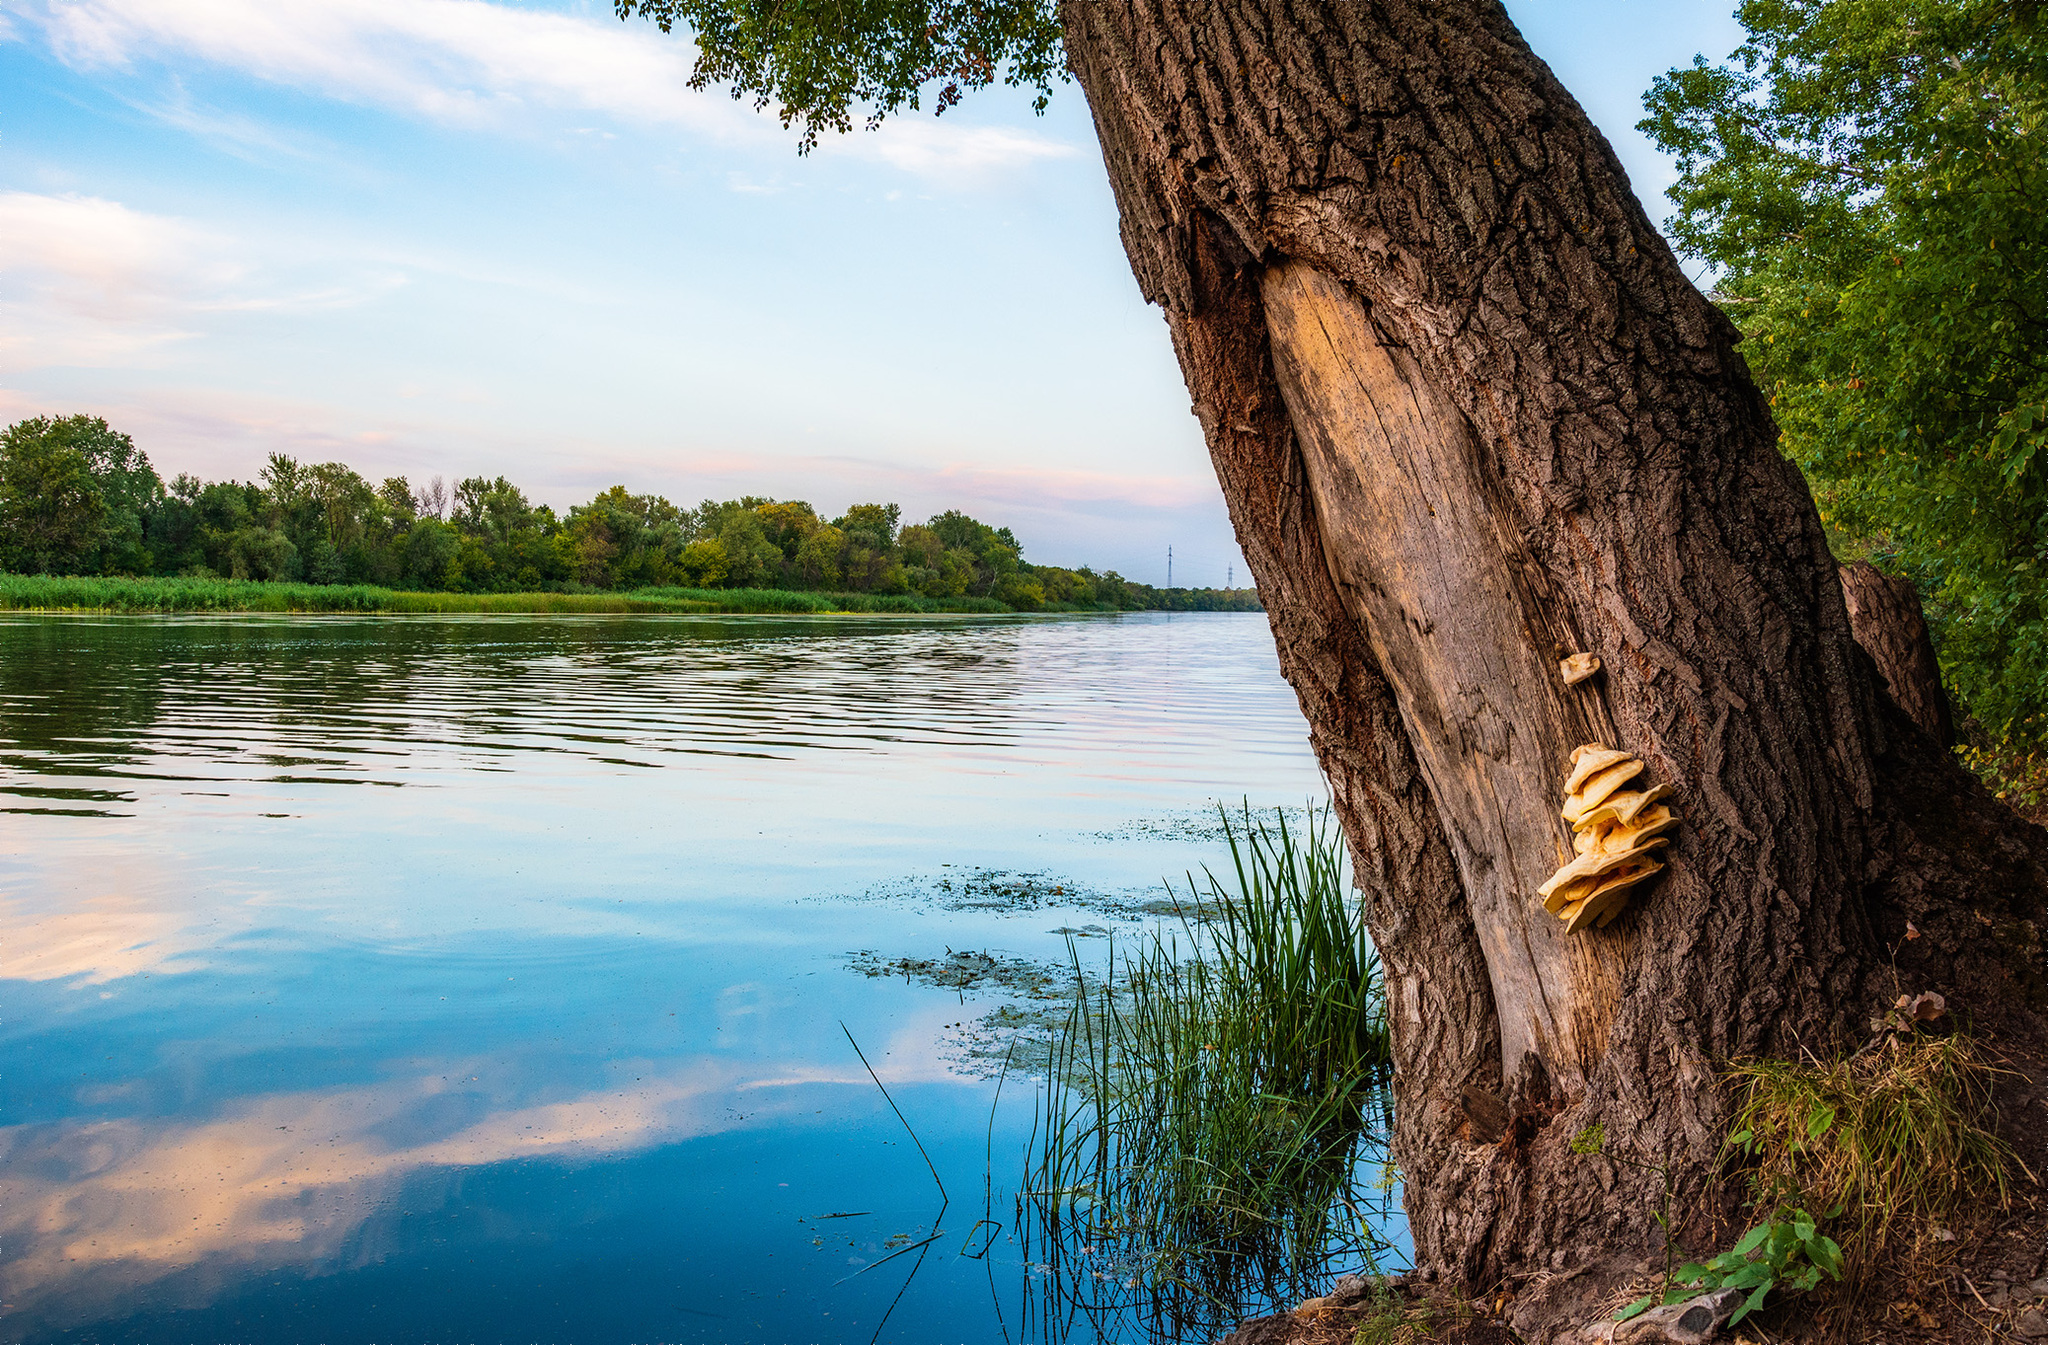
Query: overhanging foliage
[1868, 176]
[818, 62]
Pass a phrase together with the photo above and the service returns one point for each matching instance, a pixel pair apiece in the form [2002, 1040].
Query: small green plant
[1889, 1137]
[1391, 1318]
[1385, 1316]
[1787, 1251]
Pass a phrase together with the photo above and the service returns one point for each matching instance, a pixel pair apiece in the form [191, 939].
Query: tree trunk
[1885, 617]
[1470, 417]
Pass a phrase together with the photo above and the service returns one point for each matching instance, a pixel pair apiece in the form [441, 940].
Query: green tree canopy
[1868, 178]
[76, 496]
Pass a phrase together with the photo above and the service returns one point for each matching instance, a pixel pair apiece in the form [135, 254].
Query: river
[497, 979]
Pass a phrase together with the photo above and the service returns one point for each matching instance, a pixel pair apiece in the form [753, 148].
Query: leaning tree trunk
[1470, 416]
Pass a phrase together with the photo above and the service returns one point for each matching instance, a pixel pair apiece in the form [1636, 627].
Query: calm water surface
[483, 979]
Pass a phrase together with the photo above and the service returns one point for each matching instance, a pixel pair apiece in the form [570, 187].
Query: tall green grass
[179, 594]
[1206, 1142]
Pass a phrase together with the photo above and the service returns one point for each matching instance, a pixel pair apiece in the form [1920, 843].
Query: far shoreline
[170, 596]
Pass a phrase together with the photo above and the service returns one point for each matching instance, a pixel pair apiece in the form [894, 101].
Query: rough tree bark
[1469, 415]
[1885, 617]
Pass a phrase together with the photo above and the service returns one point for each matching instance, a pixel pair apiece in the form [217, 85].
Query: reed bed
[1210, 1139]
[181, 594]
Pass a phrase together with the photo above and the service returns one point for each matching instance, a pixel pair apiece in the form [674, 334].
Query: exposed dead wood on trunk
[1437, 990]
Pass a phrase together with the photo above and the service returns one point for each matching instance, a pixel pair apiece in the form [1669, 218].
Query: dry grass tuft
[1890, 1142]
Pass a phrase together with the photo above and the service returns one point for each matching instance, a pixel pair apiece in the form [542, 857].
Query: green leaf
[1635, 1309]
[1692, 1272]
[1752, 1240]
[1751, 1304]
[1756, 1272]
[1818, 1123]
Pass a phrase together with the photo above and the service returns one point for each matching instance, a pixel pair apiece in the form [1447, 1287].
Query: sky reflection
[550, 1041]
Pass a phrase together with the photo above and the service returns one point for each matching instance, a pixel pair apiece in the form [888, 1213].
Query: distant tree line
[79, 498]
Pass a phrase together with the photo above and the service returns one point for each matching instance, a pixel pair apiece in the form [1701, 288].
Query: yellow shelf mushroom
[1615, 832]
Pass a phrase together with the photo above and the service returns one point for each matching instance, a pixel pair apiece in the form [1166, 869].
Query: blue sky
[457, 237]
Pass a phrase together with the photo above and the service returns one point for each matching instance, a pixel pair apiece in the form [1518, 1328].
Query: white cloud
[939, 149]
[471, 63]
[97, 940]
[109, 259]
[92, 1211]
[746, 184]
[91, 282]
[242, 136]
[88, 281]
[460, 61]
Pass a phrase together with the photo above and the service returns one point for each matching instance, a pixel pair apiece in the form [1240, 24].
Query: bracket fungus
[1614, 832]
[1578, 668]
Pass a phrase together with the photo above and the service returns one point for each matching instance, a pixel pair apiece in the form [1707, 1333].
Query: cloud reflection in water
[291, 1177]
[91, 1212]
[100, 939]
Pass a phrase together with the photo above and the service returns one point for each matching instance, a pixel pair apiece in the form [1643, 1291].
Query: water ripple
[381, 702]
